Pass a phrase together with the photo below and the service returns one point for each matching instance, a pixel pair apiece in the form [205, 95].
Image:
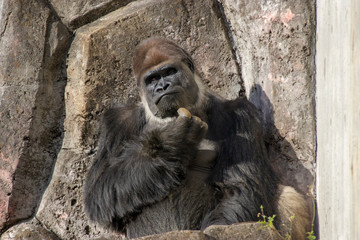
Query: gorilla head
[165, 75]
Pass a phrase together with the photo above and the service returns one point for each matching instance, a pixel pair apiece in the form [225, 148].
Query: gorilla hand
[193, 128]
[178, 140]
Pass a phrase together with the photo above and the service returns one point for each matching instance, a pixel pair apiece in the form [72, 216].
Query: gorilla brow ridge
[156, 50]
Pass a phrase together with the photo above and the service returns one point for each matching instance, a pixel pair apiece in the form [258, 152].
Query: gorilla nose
[162, 87]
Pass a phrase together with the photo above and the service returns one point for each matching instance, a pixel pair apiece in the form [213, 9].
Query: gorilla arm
[134, 168]
[247, 180]
[242, 174]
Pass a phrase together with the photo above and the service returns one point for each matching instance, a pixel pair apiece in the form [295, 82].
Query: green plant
[311, 234]
[266, 221]
[269, 221]
[288, 235]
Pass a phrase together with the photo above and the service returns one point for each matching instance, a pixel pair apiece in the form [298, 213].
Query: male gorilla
[183, 158]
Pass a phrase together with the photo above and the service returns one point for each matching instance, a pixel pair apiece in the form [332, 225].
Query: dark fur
[139, 184]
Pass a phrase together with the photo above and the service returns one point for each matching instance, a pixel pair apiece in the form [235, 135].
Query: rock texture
[179, 235]
[242, 231]
[29, 231]
[62, 63]
[32, 47]
[61, 209]
[75, 14]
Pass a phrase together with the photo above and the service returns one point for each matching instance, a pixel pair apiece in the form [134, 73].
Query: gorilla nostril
[159, 89]
[162, 87]
[166, 85]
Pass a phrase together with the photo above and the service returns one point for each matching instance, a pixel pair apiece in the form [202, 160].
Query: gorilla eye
[152, 78]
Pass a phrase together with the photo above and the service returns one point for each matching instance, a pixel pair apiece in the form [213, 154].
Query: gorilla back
[182, 158]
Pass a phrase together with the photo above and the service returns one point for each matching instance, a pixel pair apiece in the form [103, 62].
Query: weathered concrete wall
[263, 50]
[338, 118]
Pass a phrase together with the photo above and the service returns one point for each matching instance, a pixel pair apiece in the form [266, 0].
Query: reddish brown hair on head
[155, 50]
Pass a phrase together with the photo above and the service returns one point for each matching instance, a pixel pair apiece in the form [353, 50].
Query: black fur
[138, 182]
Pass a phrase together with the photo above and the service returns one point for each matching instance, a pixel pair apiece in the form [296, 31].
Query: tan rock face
[75, 14]
[29, 231]
[179, 235]
[242, 231]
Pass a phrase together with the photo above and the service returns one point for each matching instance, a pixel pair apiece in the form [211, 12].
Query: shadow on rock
[281, 153]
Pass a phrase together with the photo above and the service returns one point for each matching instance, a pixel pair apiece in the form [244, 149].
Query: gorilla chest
[201, 165]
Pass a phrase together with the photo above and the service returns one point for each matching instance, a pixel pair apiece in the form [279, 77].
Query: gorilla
[183, 157]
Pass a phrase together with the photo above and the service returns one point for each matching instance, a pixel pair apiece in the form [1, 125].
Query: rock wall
[62, 63]
[33, 43]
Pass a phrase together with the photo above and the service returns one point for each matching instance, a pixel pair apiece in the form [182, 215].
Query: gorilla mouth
[165, 94]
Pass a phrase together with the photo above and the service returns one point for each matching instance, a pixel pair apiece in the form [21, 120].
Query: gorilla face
[169, 86]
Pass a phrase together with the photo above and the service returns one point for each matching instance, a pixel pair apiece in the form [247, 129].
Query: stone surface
[61, 210]
[178, 235]
[75, 14]
[242, 231]
[100, 75]
[338, 118]
[28, 231]
[31, 104]
[274, 41]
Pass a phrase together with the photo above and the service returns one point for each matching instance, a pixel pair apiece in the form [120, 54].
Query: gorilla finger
[197, 130]
[183, 112]
[201, 122]
[180, 127]
[184, 119]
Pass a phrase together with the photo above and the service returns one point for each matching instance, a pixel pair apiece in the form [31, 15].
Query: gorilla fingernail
[183, 112]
